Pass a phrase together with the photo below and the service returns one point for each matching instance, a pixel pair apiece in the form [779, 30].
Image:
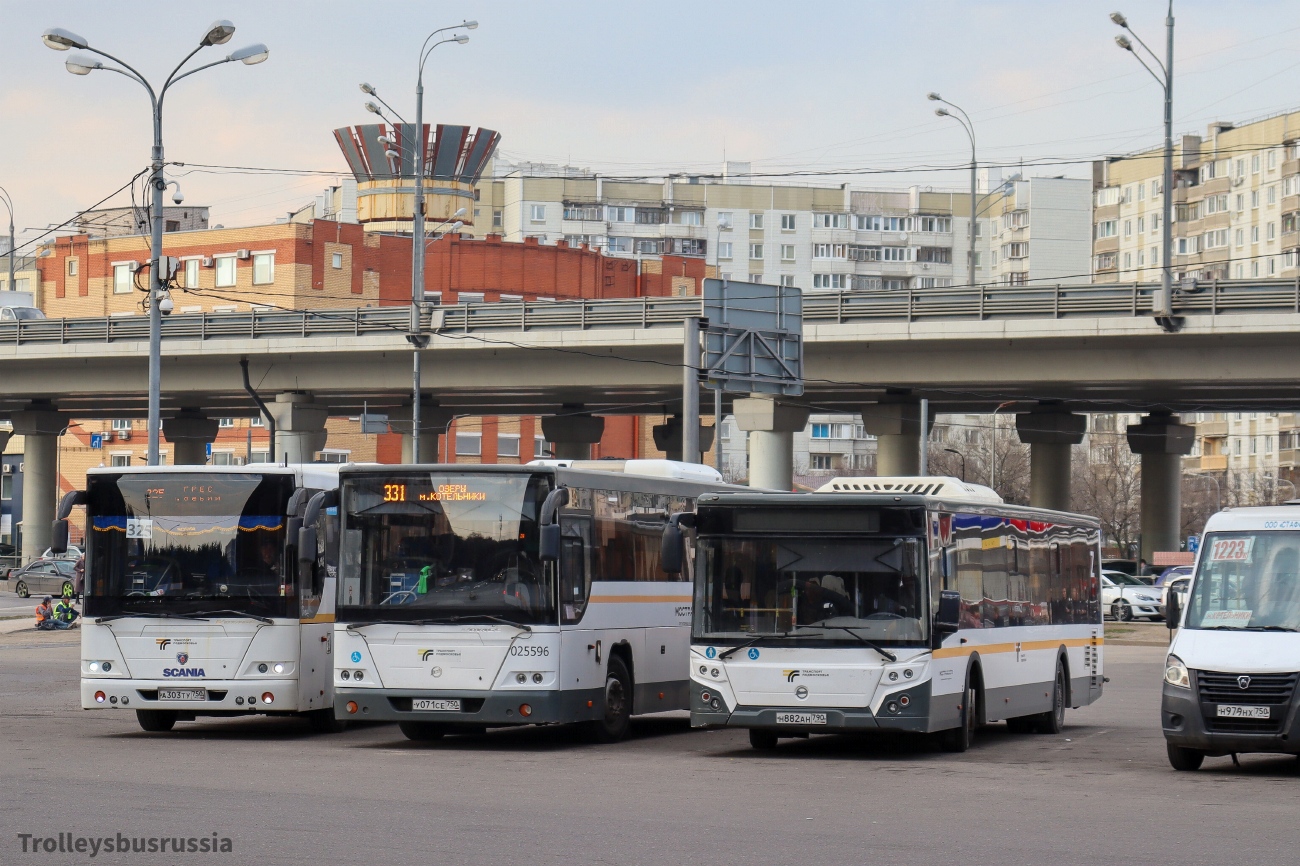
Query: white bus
[1233, 666]
[908, 604]
[480, 596]
[195, 601]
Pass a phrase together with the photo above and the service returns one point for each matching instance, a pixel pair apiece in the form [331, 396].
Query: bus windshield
[188, 542]
[827, 589]
[1247, 581]
[443, 546]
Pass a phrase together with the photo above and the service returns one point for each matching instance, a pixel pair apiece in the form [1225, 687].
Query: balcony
[1290, 166]
[1288, 457]
[1212, 429]
[1209, 462]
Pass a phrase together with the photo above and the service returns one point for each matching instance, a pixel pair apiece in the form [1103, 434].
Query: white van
[1230, 679]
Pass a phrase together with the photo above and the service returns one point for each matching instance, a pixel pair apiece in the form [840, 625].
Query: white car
[1125, 598]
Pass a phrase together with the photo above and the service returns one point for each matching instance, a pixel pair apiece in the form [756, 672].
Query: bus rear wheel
[1053, 721]
[762, 740]
[618, 704]
[1184, 760]
[421, 732]
[324, 722]
[156, 721]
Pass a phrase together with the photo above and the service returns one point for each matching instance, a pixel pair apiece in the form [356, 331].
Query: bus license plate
[1229, 711]
[801, 718]
[453, 706]
[182, 694]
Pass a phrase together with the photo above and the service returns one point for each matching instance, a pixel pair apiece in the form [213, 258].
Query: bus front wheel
[617, 717]
[156, 721]
[761, 739]
[324, 722]
[959, 739]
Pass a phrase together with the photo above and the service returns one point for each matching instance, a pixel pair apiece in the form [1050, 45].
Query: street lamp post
[966, 124]
[218, 33]
[416, 336]
[1163, 306]
[9, 205]
[963, 460]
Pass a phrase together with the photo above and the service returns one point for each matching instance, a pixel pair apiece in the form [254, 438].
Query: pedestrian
[79, 577]
[45, 620]
[1143, 568]
[64, 612]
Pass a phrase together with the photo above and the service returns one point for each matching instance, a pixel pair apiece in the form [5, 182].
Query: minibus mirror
[1173, 609]
[549, 543]
[670, 549]
[306, 548]
[59, 536]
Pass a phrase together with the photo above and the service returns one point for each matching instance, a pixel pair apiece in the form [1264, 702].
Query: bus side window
[575, 575]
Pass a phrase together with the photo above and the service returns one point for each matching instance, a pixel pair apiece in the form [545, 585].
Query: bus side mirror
[59, 536]
[549, 543]
[947, 619]
[1173, 609]
[306, 548]
[671, 549]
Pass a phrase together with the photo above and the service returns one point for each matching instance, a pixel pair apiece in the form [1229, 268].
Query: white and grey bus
[909, 604]
[196, 603]
[480, 596]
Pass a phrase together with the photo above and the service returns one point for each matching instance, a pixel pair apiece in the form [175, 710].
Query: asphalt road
[1101, 792]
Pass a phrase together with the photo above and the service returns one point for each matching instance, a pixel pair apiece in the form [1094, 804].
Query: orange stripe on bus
[1025, 646]
[320, 617]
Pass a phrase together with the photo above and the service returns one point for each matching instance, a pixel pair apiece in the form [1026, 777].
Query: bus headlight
[1176, 673]
[94, 666]
[279, 668]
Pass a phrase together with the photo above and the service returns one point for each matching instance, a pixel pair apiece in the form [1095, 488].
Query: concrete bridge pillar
[40, 425]
[896, 424]
[1161, 441]
[1049, 433]
[433, 424]
[668, 437]
[771, 425]
[573, 435]
[299, 427]
[190, 433]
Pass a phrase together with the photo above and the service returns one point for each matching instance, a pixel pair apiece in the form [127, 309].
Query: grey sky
[629, 88]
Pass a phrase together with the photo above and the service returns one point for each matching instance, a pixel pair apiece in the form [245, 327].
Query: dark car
[43, 577]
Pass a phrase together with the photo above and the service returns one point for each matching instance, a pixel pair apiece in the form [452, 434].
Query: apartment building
[1038, 231]
[1236, 200]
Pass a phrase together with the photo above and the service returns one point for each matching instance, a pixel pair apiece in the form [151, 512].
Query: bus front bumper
[221, 697]
[494, 708]
[913, 718]
[1183, 718]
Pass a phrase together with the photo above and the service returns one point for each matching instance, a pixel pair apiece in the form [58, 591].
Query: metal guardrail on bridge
[914, 305]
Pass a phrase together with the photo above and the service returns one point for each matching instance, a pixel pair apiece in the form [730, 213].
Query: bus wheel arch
[975, 678]
[614, 720]
[623, 651]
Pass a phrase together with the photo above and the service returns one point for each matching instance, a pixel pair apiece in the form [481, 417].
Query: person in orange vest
[45, 619]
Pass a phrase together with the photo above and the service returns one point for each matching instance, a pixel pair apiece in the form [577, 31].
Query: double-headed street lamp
[218, 33]
[416, 336]
[966, 124]
[1162, 308]
[9, 205]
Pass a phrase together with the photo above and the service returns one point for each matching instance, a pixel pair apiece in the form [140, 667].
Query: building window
[123, 279]
[1272, 231]
[119, 460]
[582, 212]
[1272, 267]
[469, 444]
[829, 281]
[724, 220]
[1272, 160]
[756, 278]
[223, 458]
[821, 431]
[690, 218]
[508, 445]
[121, 424]
[72, 267]
[537, 213]
[469, 298]
[898, 254]
[336, 261]
[541, 448]
[787, 280]
[650, 247]
[830, 221]
[724, 250]
[6, 487]
[756, 251]
[263, 269]
[756, 221]
[787, 252]
[1254, 199]
[819, 462]
[787, 222]
[1254, 234]
[225, 271]
[1107, 228]
[333, 456]
[257, 421]
[619, 245]
[1128, 228]
[867, 223]
[650, 216]
[830, 251]
[225, 422]
[497, 219]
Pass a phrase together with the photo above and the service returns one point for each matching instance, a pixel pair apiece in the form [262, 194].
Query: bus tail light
[268, 698]
[100, 697]
[352, 707]
[525, 710]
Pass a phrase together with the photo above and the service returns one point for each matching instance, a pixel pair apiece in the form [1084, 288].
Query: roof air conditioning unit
[8, 469]
[207, 261]
[241, 254]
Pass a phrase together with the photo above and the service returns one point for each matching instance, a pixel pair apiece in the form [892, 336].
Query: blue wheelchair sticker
[356, 657]
[710, 653]
[753, 652]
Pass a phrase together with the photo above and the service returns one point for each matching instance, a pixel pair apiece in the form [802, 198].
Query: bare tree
[1107, 484]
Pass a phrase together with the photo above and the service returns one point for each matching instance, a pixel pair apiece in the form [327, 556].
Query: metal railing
[846, 307]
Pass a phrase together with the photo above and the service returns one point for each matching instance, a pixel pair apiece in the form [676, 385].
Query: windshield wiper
[449, 620]
[740, 646]
[204, 614]
[867, 643]
[1270, 628]
[148, 613]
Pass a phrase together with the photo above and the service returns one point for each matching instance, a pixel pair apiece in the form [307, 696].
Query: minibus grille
[1268, 690]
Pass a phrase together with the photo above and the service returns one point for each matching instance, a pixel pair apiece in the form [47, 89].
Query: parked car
[1125, 566]
[1170, 573]
[43, 577]
[1125, 597]
[73, 552]
[13, 314]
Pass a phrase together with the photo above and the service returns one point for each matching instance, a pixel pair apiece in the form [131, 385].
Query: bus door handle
[595, 646]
